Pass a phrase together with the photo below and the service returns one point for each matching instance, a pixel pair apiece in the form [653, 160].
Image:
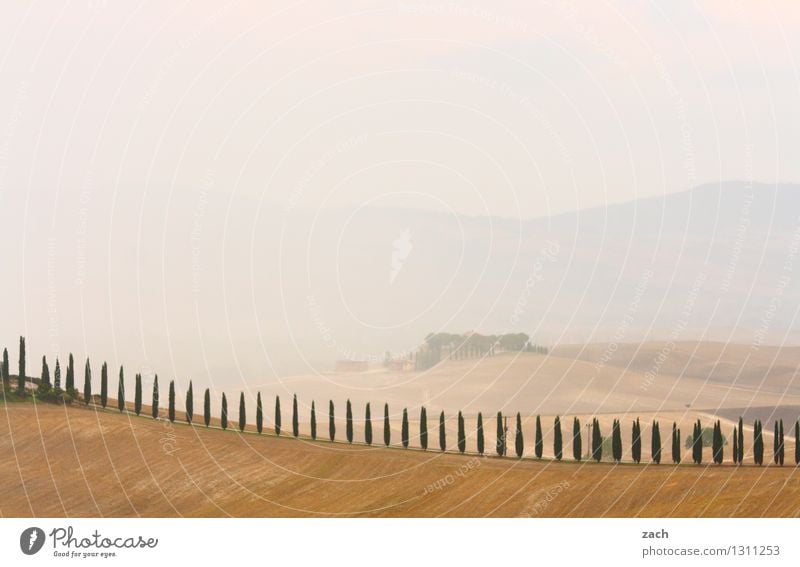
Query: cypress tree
[277, 415]
[597, 441]
[4, 370]
[137, 394]
[368, 426]
[558, 441]
[223, 416]
[349, 421]
[758, 443]
[539, 440]
[242, 415]
[501, 436]
[442, 438]
[740, 454]
[207, 407]
[577, 443]
[519, 442]
[331, 422]
[121, 390]
[190, 404]
[481, 440]
[404, 429]
[154, 405]
[462, 434]
[70, 374]
[387, 432]
[295, 417]
[21, 372]
[797, 442]
[259, 414]
[697, 443]
[57, 376]
[313, 421]
[103, 384]
[717, 454]
[423, 428]
[781, 445]
[171, 401]
[636, 442]
[616, 441]
[655, 444]
[676, 444]
[87, 383]
[735, 445]
[45, 377]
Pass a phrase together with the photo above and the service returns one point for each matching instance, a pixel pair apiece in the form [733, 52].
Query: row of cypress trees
[52, 385]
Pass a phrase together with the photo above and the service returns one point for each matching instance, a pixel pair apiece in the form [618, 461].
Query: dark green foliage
[779, 447]
[676, 444]
[519, 442]
[697, 443]
[636, 442]
[404, 434]
[501, 436]
[45, 377]
[154, 404]
[331, 422]
[717, 453]
[539, 439]
[758, 443]
[558, 439]
[797, 442]
[87, 383]
[740, 454]
[4, 370]
[655, 443]
[616, 441]
[368, 426]
[137, 395]
[104, 387]
[207, 407]
[387, 431]
[597, 441]
[462, 434]
[70, 385]
[242, 414]
[277, 415]
[313, 421]
[481, 441]
[190, 404]
[171, 401]
[295, 417]
[259, 414]
[442, 435]
[577, 444]
[121, 390]
[223, 416]
[735, 453]
[21, 371]
[423, 428]
[349, 421]
[57, 376]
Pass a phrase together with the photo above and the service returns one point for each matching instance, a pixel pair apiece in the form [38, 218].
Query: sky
[144, 144]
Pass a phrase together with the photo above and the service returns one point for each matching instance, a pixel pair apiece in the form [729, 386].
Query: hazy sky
[152, 153]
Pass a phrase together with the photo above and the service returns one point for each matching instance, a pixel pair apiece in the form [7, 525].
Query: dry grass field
[57, 461]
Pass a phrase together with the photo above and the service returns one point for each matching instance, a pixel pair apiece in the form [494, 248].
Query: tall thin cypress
[368, 425]
[404, 434]
[277, 415]
[387, 431]
[207, 407]
[21, 371]
[137, 395]
[223, 416]
[442, 435]
[4, 370]
[597, 441]
[313, 421]
[519, 442]
[462, 434]
[636, 442]
[539, 439]
[121, 390]
[44, 379]
[70, 386]
[295, 417]
[740, 454]
[171, 401]
[735, 452]
[797, 442]
[349, 421]
[242, 414]
[190, 404]
[716, 452]
[577, 444]
[87, 383]
[153, 405]
[758, 443]
[103, 385]
[676, 444]
[259, 414]
[655, 443]
[481, 440]
[423, 428]
[57, 376]
[616, 441]
[331, 421]
[781, 444]
[697, 443]
[501, 436]
[558, 440]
